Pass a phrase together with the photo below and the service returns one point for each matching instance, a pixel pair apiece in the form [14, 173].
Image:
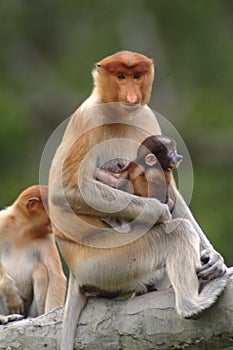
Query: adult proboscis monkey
[107, 130]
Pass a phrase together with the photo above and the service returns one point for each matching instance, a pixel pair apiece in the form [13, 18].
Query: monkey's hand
[14, 302]
[212, 265]
[107, 177]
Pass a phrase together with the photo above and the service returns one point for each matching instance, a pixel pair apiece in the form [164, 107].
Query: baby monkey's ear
[32, 203]
[150, 159]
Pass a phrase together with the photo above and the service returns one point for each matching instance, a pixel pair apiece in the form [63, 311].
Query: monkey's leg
[75, 302]
[40, 280]
[183, 257]
[215, 266]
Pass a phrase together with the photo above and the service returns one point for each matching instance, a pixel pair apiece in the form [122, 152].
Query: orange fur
[129, 89]
[28, 252]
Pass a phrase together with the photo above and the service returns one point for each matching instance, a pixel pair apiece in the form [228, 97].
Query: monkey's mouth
[130, 107]
[175, 161]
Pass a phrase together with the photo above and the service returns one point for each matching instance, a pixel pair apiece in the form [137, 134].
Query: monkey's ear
[32, 203]
[150, 159]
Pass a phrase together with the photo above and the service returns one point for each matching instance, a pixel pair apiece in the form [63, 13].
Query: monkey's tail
[192, 308]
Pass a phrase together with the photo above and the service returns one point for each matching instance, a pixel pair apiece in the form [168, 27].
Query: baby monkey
[149, 175]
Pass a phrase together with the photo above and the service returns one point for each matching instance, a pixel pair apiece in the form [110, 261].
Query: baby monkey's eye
[137, 75]
[120, 76]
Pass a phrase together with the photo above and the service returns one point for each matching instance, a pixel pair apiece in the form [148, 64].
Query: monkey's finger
[209, 271]
[212, 268]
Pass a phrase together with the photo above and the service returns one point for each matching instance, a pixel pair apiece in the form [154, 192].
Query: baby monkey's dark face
[159, 149]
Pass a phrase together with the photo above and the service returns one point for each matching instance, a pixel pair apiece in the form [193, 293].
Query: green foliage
[211, 110]
[215, 216]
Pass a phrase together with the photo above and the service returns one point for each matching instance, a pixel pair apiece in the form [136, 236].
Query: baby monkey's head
[159, 149]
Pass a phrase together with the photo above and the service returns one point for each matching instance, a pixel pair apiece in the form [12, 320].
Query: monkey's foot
[194, 307]
[10, 318]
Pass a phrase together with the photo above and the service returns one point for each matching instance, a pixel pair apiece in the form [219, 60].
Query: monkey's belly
[114, 271]
[21, 276]
[21, 272]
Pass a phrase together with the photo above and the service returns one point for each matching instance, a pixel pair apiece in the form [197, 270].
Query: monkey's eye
[137, 75]
[120, 76]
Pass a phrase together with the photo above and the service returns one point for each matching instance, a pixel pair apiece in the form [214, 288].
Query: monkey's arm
[107, 177]
[213, 262]
[121, 182]
[75, 187]
[99, 199]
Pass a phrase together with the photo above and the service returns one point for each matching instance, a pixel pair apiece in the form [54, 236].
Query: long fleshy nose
[132, 93]
[131, 97]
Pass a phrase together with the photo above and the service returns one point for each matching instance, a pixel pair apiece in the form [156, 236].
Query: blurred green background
[48, 49]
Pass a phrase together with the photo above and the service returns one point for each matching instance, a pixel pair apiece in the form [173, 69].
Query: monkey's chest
[19, 264]
[119, 148]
